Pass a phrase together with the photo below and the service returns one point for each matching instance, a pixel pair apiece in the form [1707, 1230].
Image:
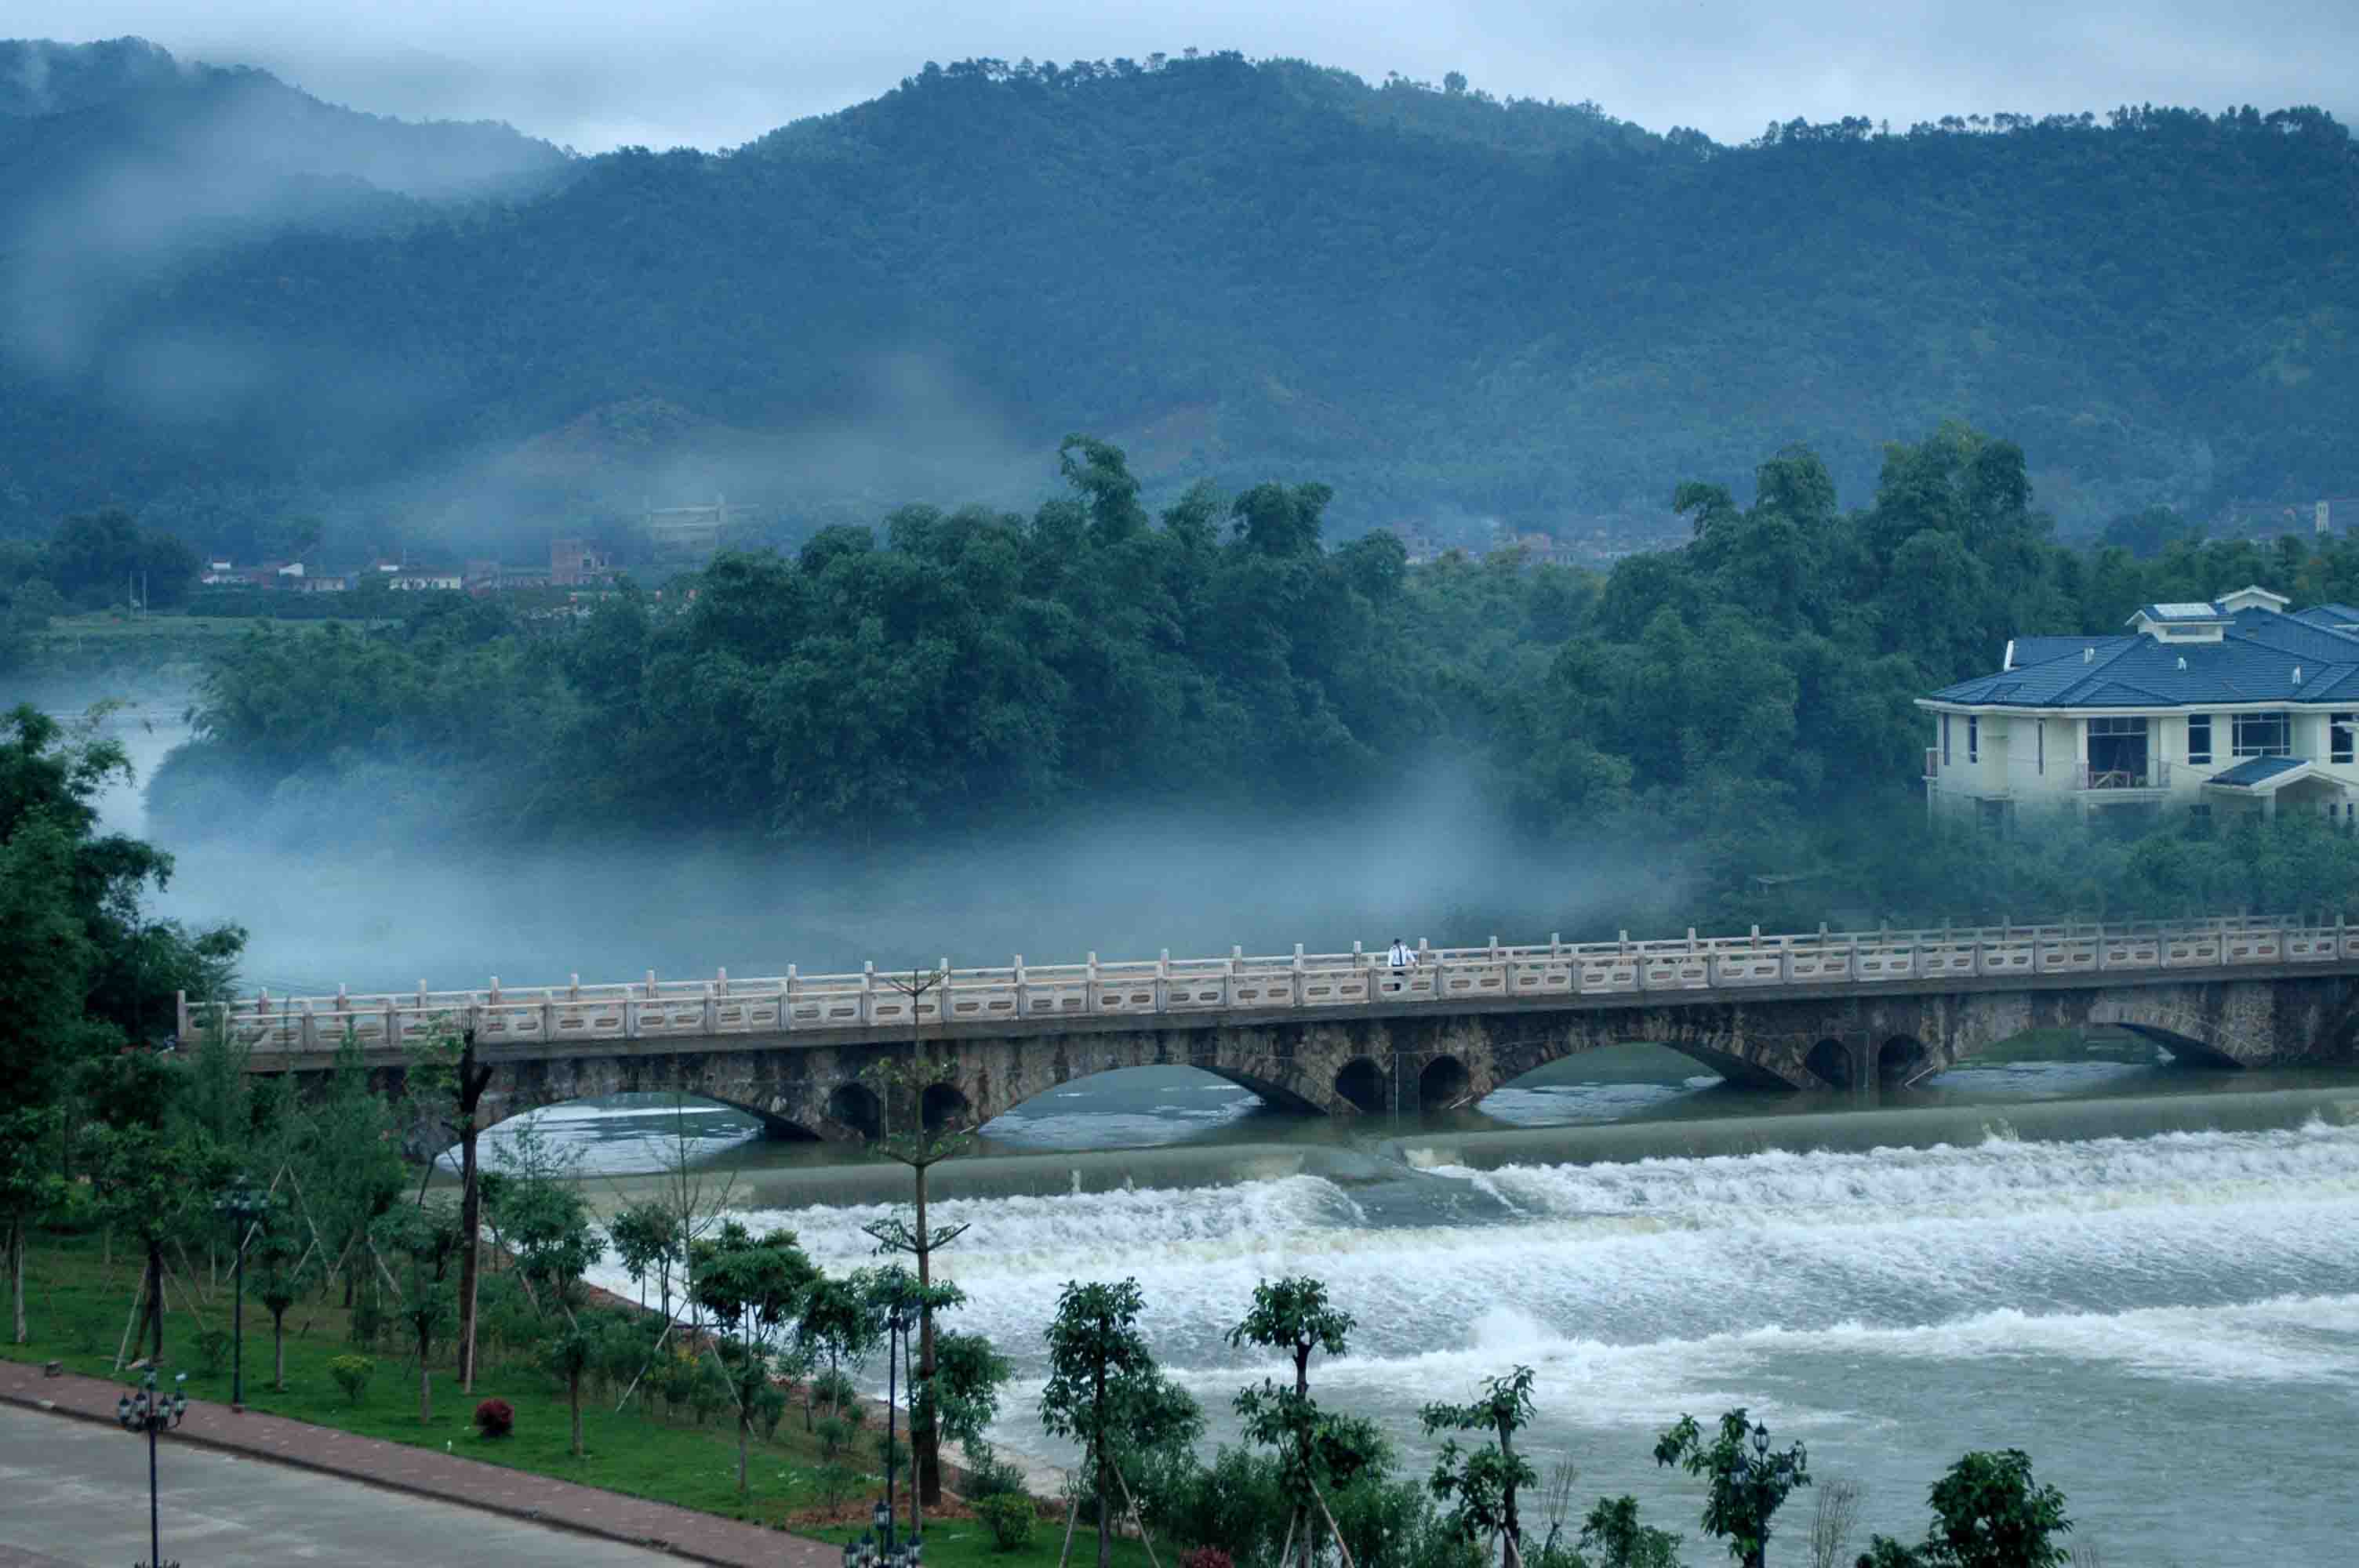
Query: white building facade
[2236, 704]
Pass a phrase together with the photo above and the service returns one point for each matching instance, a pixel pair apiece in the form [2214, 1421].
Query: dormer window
[2190, 622]
[2254, 597]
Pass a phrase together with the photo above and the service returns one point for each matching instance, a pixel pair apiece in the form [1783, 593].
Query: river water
[2169, 1325]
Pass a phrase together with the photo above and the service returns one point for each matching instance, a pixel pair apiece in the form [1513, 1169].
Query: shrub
[351, 1374]
[837, 1389]
[837, 1482]
[370, 1321]
[834, 1436]
[495, 1418]
[989, 1475]
[1206, 1557]
[213, 1350]
[1011, 1515]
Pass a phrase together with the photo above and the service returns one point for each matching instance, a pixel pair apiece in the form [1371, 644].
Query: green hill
[1440, 304]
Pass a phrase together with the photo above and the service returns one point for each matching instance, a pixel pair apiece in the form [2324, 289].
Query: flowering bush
[495, 1418]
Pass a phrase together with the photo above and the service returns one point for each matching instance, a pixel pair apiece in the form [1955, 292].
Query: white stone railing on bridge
[1304, 982]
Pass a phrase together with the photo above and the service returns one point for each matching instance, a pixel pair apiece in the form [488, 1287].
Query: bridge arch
[1899, 1059]
[855, 1106]
[1364, 1085]
[943, 1105]
[1830, 1061]
[1443, 1084]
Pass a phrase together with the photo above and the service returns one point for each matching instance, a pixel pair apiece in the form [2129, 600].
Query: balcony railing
[2154, 774]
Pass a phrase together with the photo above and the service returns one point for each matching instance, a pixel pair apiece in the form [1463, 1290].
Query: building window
[2262, 735]
[1974, 738]
[2340, 728]
[1945, 740]
[2199, 737]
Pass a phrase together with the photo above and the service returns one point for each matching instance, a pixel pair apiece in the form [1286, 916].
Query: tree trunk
[1097, 1410]
[472, 1083]
[425, 1390]
[573, 1392]
[17, 1275]
[744, 1438]
[278, 1351]
[925, 1441]
[156, 1299]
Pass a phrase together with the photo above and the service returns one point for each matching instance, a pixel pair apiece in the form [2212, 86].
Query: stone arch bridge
[1347, 1035]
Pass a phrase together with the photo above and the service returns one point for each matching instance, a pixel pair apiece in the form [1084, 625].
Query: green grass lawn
[78, 1303]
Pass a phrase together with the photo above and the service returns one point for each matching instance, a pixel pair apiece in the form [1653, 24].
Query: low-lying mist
[1428, 862]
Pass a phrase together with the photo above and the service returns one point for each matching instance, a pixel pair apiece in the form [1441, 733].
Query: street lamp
[150, 1411]
[243, 1206]
[883, 1515]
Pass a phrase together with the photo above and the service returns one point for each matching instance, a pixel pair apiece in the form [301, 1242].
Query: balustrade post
[712, 1010]
[868, 992]
[1163, 981]
[1295, 985]
[724, 982]
[180, 1029]
[1090, 986]
[311, 1027]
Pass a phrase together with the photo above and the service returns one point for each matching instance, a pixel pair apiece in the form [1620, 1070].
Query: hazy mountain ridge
[1437, 302]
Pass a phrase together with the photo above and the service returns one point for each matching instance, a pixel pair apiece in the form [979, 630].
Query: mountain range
[222, 299]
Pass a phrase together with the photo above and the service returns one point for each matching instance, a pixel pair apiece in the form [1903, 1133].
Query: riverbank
[77, 1299]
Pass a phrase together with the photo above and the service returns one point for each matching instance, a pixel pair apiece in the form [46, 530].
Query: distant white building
[2236, 704]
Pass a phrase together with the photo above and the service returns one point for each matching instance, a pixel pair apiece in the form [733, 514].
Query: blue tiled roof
[2258, 769]
[2329, 615]
[2256, 660]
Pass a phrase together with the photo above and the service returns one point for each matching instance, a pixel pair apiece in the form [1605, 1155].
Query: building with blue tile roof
[2236, 704]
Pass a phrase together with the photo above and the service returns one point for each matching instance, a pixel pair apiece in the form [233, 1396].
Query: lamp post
[243, 1206]
[150, 1411]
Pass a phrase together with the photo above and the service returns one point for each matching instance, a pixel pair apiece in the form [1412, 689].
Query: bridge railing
[887, 1002]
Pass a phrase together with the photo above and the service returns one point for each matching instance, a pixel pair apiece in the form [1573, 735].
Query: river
[2169, 1325]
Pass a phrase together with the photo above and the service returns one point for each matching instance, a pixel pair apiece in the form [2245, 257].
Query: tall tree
[1480, 1485]
[1317, 1452]
[1746, 1483]
[912, 1133]
[1105, 1391]
[752, 1286]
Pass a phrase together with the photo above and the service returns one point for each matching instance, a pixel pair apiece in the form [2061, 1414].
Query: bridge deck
[876, 1007]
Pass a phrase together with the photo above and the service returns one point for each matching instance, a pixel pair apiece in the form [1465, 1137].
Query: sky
[596, 74]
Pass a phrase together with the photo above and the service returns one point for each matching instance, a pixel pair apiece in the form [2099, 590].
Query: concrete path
[384, 1469]
[77, 1493]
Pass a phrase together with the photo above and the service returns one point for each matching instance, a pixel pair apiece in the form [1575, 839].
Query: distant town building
[688, 530]
[425, 580]
[576, 563]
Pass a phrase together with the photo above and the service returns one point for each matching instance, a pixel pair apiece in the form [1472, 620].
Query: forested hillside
[1739, 707]
[1443, 305]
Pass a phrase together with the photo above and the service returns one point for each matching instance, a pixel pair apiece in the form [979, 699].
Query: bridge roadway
[1344, 1033]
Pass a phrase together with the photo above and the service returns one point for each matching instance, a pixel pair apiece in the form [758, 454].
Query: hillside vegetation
[1444, 305]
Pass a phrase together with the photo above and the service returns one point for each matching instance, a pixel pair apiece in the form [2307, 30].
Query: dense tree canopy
[1745, 704]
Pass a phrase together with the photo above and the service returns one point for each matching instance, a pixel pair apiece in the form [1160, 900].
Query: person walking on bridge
[1401, 957]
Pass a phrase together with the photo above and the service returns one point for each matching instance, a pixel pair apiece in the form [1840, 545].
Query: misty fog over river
[2166, 1323]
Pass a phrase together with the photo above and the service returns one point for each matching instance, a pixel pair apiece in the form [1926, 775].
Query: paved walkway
[701, 1538]
[76, 1497]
